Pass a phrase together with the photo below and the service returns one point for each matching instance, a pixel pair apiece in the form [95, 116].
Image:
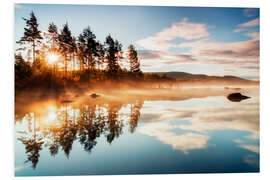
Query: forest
[56, 60]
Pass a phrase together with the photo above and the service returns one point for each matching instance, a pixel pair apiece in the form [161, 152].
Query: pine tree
[113, 49]
[74, 50]
[100, 54]
[53, 35]
[88, 47]
[66, 43]
[133, 60]
[32, 34]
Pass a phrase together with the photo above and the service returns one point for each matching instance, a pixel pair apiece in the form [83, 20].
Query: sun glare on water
[52, 58]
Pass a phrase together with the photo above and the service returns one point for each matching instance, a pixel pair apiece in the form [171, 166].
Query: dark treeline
[57, 59]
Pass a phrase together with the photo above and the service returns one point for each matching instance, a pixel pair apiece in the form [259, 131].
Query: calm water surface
[137, 136]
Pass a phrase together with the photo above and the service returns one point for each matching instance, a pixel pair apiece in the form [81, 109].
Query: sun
[52, 58]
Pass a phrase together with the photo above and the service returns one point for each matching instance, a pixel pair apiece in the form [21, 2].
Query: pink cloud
[238, 30]
[253, 35]
[244, 26]
[254, 22]
[241, 57]
[242, 50]
[183, 29]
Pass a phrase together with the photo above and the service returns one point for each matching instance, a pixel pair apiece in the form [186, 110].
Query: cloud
[183, 142]
[252, 23]
[199, 122]
[252, 148]
[236, 51]
[183, 29]
[253, 35]
[244, 117]
[234, 55]
[194, 39]
[250, 12]
[18, 168]
[244, 26]
[154, 59]
[186, 128]
[165, 57]
[238, 30]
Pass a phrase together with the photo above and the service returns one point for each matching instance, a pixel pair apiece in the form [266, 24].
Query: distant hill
[202, 79]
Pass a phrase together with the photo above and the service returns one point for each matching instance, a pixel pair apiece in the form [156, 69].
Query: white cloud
[183, 142]
[252, 23]
[252, 148]
[183, 29]
[199, 50]
[242, 50]
[245, 26]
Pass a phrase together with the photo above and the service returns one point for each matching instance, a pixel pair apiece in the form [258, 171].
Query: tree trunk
[34, 46]
[65, 65]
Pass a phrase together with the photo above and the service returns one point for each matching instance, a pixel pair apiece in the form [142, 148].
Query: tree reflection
[32, 147]
[90, 126]
[115, 124]
[85, 122]
[134, 115]
[33, 143]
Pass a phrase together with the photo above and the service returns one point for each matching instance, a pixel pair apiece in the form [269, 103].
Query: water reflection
[181, 122]
[58, 125]
[188, 125]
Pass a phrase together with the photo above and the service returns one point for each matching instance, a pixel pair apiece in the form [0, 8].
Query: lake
[196, 130]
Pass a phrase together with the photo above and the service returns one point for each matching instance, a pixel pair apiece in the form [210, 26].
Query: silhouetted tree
[88, 47]
[53, 35]
[73, 51]
[112, 51]
[32, 34]
[66, 43]
[100, 54]
[23, 71]
[133, 60]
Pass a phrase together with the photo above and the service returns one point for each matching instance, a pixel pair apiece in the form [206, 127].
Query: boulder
[94, 95]
[237, 97]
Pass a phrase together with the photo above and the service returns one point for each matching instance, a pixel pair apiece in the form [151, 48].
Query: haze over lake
[204, 132]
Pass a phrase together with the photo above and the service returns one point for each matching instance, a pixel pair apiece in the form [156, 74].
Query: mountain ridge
[185, 77]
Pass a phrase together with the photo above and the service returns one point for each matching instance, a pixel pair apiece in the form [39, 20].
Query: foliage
[32, 34]
[81, 59]
[134, 61]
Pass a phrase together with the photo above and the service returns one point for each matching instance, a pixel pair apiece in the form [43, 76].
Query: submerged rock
[237, 97]
[66, 101]
[94, 95]
[235, 89]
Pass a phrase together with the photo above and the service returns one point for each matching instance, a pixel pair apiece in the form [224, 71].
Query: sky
[198, 40]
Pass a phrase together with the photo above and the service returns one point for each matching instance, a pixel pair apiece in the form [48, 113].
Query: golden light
[50, 116]
[52, 58]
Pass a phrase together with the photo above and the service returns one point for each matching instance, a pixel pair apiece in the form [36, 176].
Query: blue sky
[187, 39]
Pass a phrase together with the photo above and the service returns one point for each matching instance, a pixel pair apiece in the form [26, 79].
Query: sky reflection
[181, 128]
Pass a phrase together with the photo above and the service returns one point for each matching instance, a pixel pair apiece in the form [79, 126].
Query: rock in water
[94, 95]
[237, 97]
[66, 101]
